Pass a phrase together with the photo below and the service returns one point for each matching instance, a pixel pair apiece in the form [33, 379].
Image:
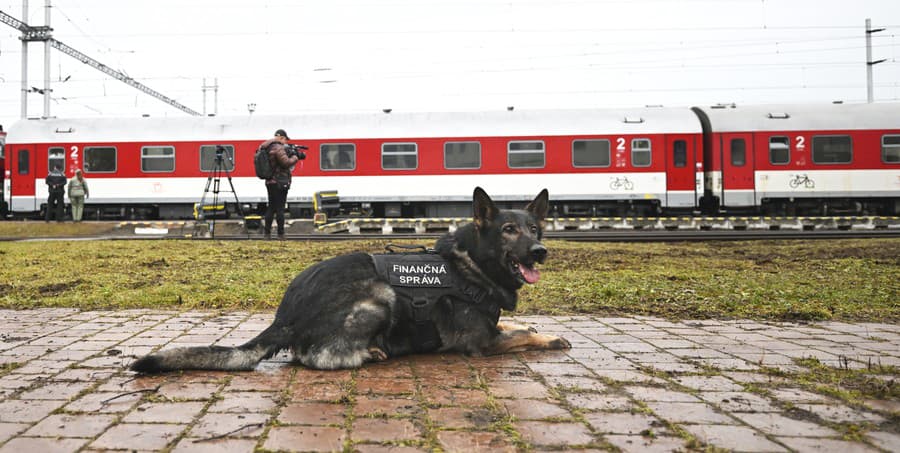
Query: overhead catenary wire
[424, 51]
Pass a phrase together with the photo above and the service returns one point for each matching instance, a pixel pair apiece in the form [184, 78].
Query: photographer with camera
[282, 158]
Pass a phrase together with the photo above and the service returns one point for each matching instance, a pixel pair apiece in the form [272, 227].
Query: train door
[737, 170]
[681, 185]
[4, 181]
[22, 171]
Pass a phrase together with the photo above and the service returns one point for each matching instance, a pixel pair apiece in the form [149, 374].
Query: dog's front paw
[559, 343]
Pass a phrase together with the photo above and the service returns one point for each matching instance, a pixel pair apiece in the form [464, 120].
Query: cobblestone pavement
[634, 384]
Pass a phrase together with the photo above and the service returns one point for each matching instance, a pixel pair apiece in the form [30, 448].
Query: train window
[209, 155]
[779, 150]
[525, 154]
[399, 156]
[157, 159]
[458, 155]
[24, 159]
[679, 153]
[738, 152]
[590, 153]
[337, 156]
[56, 158]
[890, 149]
[640, 152]
[99, 159]
[832, 149]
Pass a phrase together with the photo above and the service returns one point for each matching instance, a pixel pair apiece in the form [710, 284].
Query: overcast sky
[290, 56]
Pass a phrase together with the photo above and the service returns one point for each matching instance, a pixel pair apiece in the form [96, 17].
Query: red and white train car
[634, 161]
[810, 159]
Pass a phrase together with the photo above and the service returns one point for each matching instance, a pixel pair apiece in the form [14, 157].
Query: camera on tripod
[295, 150]
[221, 154]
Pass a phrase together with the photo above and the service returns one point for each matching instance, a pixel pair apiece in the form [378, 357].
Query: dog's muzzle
[525, 271]
[538, 252]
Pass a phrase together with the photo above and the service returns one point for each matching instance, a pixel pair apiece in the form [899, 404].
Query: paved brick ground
[634, 384]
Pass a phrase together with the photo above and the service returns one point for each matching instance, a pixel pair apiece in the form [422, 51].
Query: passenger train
[773, 159]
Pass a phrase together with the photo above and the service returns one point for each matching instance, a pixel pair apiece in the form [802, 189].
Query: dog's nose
[538, 252]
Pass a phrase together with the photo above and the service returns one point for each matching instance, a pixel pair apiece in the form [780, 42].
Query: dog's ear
[540, 205]
[485, 210]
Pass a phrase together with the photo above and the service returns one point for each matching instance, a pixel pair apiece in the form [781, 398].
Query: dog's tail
[241, 358]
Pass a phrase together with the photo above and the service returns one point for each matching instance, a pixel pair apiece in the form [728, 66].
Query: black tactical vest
[420, 280]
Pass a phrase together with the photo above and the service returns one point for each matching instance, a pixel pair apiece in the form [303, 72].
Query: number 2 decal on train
[73, 157]
[620, 152]
[74, 164]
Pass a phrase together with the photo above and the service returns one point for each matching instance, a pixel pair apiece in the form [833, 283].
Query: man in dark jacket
[56, 183]
[278, 185]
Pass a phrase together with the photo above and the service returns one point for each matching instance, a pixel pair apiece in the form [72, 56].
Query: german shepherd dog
[341, 312]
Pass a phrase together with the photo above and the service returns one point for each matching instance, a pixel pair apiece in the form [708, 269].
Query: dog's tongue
[531, 274]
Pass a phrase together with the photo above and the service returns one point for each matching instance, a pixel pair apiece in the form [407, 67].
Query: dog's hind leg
[353, 342]
[524, 340]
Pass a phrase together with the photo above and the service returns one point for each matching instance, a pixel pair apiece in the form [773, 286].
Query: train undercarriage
[808, 207]
[336, 209]
[830, 207]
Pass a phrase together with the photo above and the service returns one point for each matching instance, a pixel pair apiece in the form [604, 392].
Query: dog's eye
[509, 229]
[534, 229]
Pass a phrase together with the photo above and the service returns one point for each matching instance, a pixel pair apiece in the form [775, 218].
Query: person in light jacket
[78, 191]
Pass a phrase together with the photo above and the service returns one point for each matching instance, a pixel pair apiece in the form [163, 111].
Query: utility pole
[215, 89]
[47, 62]
[870, 90]
[43, 33]
[36, 34]
[24, 65]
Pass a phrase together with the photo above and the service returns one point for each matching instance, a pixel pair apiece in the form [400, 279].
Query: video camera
[295, 150]
[222, 153]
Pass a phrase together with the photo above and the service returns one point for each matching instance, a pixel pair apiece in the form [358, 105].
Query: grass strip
[847, 279]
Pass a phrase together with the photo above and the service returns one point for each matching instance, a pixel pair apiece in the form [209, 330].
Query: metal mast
[870, 91]
[215, 89]
[46, 62]
[24, 62]
[42, 33]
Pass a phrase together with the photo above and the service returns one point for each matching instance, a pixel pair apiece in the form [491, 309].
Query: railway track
[605, 236]
[736, 223]
[573, 229]
[729, 235]
[577, 236]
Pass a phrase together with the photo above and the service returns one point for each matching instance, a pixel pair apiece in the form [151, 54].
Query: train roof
[516, 123]
[803, 117]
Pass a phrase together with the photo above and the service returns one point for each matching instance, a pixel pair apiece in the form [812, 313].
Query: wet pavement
[633, 383]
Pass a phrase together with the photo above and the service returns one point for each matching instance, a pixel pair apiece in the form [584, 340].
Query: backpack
[262, 165]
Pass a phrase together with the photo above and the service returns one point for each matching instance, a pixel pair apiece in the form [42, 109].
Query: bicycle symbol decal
[621, 183]
[803, 180]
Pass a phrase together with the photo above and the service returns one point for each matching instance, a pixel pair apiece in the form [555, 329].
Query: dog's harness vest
[420, 280]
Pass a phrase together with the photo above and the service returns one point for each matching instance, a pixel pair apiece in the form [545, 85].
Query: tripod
[214, 180]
